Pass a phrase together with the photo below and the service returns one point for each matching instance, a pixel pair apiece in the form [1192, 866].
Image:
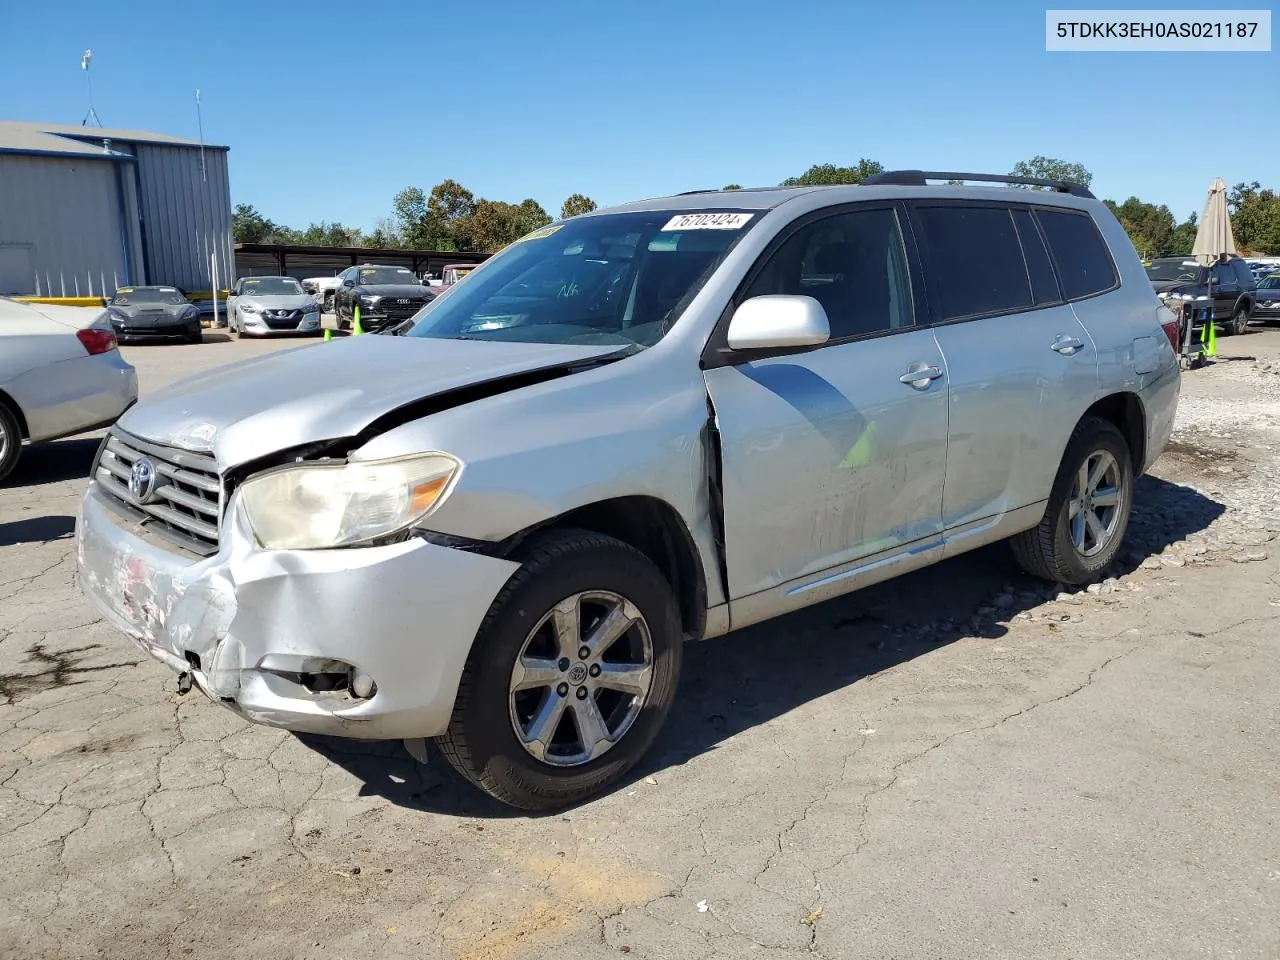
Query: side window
[854, 264]
[1245, 274]
[1044, 286]
[975, 260]
[1222, 275]
[1081, 255]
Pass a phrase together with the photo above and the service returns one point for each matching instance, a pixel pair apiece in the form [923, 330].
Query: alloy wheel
[1096, 505]
[582, 677]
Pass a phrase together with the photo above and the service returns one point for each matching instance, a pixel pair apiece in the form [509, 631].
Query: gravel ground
[960, 763]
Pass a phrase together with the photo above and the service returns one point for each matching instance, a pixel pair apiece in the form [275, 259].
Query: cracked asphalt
[960, 763]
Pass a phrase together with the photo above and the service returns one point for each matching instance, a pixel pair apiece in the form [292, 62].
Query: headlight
[369, 299]
[191, 312]
[318, 505]
[117, 315]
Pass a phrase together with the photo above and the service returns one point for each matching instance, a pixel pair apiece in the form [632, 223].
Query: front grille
[185, 502]
[282, 319]
[393, 309]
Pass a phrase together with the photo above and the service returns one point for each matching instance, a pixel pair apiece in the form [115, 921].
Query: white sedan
[60, 374]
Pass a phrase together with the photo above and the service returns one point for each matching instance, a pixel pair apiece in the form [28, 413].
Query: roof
[21, 136]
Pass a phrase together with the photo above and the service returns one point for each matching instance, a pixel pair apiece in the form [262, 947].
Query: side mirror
[348, 283]
[778, 321]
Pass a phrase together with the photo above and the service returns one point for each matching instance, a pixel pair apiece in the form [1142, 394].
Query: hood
[327, 391]
[280, 301]
[152, 309]
[396, 289]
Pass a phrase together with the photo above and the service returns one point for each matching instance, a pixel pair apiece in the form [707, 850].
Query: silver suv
[497, 524]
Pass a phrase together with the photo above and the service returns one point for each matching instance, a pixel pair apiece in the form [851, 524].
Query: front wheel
[571, 675]
[10, 441]
[1088, 511]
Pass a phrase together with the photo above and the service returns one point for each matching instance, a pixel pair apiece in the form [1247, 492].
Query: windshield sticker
[541, 233]
[708, 221]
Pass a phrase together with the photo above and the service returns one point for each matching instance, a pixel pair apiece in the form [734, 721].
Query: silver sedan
[60, 374]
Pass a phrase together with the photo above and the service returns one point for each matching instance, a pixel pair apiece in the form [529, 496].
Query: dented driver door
[834, 455]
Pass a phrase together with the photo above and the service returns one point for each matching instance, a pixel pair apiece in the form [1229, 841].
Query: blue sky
[331, 109]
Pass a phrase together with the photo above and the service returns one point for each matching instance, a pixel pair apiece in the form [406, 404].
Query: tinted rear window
[1081, 255]
[1043, 283]
[976, 263]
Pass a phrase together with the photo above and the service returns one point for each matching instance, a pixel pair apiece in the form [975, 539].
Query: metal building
[84, 210]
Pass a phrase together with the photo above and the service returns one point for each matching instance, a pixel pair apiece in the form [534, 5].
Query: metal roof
[21, 136]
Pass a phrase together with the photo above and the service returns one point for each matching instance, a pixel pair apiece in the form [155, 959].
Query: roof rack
[918, 178]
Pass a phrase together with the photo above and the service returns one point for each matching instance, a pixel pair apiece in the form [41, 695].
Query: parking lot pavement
[960, 763]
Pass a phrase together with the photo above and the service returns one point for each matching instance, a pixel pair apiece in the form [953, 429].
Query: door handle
[1067, 346]
[920, 375]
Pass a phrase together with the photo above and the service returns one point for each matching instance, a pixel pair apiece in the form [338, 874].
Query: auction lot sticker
[709, 221]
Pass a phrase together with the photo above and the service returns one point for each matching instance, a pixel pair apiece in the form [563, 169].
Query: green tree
[330, 235]
[451, 207]
[828, 174]
[412, 219]
[1255, 217]
[249, 226]
[576, 205]
[1150, 227]
[1050, 168]
[528, 216]
[732, 186]
[1183, 237]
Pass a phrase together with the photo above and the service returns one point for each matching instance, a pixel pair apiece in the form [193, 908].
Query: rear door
[1020, 363]
[833, 454]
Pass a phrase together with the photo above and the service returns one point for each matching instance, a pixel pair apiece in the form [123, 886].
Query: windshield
[376, 275]
[271, 287]
[616, 279]
[1185, 270]
[127, 295]
[1270, 283]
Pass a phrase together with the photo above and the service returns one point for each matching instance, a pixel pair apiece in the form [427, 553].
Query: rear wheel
[1240, 320]
[10, 441]
[195, 334]
[571, 675]
[1088, 511]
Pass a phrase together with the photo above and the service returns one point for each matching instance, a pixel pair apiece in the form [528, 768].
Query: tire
[1049, 550]
[481, 741]
[196, 335]
[1239, 325]
[10, 441]
[327, 302]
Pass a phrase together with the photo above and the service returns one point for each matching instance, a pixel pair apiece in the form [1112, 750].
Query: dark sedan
[379, 296]
[1267, 307]
[154, 312]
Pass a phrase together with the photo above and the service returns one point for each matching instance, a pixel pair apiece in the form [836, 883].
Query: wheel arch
[11, 405]
[1127, 412]
[657, 530]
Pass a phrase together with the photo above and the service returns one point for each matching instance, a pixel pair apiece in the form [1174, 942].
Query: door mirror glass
[348, 283]
[777, 321]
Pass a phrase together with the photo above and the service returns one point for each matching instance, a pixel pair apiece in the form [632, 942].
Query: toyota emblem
[142, 480]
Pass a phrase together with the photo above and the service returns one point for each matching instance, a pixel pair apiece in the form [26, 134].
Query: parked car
[258, 306]
[380, 296]
[322, 288]
[644, 425]
[1185, 279]
[1267, 307]
[453, 272]
[156, 311]
[60, 374]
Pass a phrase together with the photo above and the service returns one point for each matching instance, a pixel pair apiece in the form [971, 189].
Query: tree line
[451, 217]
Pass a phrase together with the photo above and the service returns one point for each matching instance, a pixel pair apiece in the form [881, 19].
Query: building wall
[186, 217]
[61, 229]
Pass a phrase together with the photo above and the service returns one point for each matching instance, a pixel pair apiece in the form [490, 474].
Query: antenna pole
[88, 79]
[200, 126]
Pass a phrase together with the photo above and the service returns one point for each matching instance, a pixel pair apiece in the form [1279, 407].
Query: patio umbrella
[1213, 238]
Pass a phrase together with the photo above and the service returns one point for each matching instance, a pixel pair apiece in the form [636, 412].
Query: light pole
[88, 79]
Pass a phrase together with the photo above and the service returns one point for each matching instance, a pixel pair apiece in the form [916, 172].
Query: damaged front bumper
[271, 633]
